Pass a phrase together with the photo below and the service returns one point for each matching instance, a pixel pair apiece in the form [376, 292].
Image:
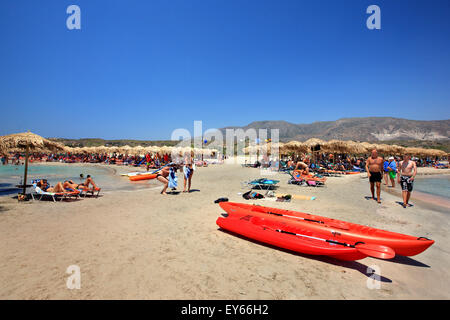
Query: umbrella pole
[26, 172]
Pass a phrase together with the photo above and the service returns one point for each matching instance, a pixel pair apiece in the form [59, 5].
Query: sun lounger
[40, 194]
[299, 179]
[263, 184]
[85, 191]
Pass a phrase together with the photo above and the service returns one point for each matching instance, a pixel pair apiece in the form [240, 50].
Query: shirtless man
[303, 167]
[407, 172]
[374, 168]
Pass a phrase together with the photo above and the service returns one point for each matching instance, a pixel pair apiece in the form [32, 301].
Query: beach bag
[252, 195]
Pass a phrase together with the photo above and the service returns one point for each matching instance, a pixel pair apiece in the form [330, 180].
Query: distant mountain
[370, 129]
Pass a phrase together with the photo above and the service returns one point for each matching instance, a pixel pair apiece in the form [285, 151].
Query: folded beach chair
[40, 194]
[263, 184]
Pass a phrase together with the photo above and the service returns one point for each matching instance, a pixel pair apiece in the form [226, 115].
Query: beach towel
[252, 195]
[187, 172]
[172, 179]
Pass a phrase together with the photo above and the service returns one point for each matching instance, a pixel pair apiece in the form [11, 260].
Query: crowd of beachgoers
[340, 162]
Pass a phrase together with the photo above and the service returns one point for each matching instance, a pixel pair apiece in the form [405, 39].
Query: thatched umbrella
[28, 141]
[336, 146]
[314, 142]
[368, 146]
[125, 149]
[294, 147]
[152, 149]
[384, 148]
[138, 150]
[314, 145]
[270, 146]
[356, 147]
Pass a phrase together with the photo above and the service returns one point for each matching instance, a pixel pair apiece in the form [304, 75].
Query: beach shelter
[315, 145]
[28, 141]
[356, 147]
[336, 146]
[294, 147]
[125, 150]
[368, 146]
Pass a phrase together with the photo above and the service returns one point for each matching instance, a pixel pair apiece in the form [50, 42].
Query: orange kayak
[402, 244]
[268, 231]
[144, 176]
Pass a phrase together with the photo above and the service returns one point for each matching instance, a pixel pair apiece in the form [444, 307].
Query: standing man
[148, 159]
[392, 168]
[374, 168]
[407, 173]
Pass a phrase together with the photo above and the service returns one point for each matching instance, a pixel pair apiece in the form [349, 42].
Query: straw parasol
[368, 146]
[28, 141]
[336, 146]
[125, 149]
[314, 142]
[294, 147]
[356, 147]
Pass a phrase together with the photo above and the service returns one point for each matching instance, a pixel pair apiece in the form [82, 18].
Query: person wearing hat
[392, 170]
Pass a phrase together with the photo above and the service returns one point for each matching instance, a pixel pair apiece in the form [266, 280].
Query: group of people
[67, 185]
[405, 173]
[167, 175]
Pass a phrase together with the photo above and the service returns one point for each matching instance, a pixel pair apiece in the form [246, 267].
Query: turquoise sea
[105, 177]
[435, 185]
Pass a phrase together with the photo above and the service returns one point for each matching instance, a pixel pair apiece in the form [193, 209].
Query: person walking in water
[374, 168]
[407, 172]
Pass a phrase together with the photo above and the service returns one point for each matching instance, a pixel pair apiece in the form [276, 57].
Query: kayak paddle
[372, 250]
[330, 223]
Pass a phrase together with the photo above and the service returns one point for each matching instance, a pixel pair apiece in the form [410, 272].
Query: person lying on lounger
[70, 184]
[58, 188]
[88, 182]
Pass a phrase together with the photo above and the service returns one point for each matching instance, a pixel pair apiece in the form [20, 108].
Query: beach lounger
[85, 191]
[40, 194]
[305, 180]
[262, 184]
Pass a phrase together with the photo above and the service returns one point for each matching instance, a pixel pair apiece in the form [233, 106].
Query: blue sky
[140, 69]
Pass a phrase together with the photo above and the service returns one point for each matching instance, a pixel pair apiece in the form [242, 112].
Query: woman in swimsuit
[188, 172]
[161, 176]
[43, 184]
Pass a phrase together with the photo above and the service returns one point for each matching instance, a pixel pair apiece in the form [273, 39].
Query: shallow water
[104, 177]
[435, 185]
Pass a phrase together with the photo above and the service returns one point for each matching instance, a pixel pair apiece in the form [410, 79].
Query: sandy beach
[142, 245]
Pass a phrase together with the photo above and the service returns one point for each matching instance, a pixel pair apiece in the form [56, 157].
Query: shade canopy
[16, 141]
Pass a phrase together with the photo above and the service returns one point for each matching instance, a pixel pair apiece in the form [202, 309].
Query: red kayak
[290, 237]
[402, 244]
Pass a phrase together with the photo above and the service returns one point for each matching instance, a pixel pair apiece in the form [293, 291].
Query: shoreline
[429, 200]
[143, 245]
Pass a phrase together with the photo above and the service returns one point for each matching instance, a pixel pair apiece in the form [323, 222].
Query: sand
[142, 245]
